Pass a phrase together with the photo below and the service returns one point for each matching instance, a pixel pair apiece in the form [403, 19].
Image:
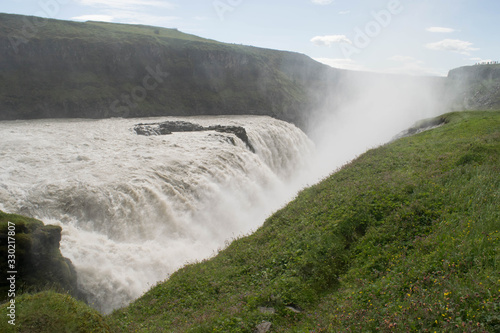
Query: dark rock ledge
[169, 127]
[39, 264]
[421, 126]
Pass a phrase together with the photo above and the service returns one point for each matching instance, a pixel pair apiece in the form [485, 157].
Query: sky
[417, 37]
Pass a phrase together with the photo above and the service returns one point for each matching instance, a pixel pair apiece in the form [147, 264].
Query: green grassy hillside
[405, 238]
[52, 312]
[63, 69]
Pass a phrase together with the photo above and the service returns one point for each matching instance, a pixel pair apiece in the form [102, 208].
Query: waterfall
[136, 208]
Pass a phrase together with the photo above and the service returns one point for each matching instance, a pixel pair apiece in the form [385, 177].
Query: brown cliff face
[98, 70]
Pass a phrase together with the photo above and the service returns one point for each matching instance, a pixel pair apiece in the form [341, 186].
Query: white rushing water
[136, 208]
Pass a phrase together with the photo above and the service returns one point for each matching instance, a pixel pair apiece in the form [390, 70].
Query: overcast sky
[422, 37]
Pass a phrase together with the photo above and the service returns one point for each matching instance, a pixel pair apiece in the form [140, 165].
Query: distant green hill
[64, 69]
[54, 69]
[406, 238]
[476, 87]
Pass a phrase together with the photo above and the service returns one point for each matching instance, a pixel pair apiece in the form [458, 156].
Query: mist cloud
[369, 110]
[342, 63]
[412, 66]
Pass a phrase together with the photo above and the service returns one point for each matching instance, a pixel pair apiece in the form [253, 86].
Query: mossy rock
[39, 262]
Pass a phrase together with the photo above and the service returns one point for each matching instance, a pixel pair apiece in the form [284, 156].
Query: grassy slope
[405, 238]
[51, 312]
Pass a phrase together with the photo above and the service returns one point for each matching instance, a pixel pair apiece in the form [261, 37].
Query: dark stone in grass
[293, 309]
[263, 327]
[267, 310]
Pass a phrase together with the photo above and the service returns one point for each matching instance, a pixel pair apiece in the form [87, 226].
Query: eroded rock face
[421, 126]
[169, 127]
[38, 260]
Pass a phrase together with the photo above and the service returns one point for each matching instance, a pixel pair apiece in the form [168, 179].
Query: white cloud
[344, 12]
[454, 45]
[99, 18]
[135, 17]
[330, 39]
[440, 29]
[322, 2]
[127, 4]
[340, 63]
[128, 11]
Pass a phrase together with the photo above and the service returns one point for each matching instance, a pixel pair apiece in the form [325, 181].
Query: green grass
[52, 28]
[50, 312]
[405, 238]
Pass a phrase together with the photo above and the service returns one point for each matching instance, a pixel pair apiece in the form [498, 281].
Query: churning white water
[136, 208]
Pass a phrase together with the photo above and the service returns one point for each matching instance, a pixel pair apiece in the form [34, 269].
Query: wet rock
[181, 126]
[169, 127]
[421, 126]
[239, 131]
[149, 130]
